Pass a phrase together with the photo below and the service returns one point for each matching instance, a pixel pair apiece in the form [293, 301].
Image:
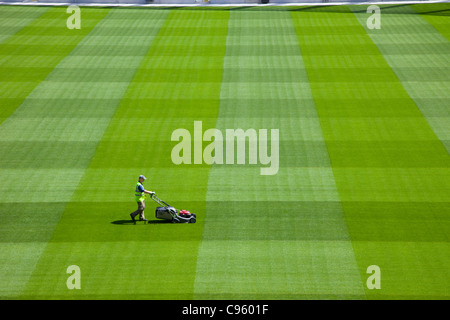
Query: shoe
[132, 217]
[142, 219]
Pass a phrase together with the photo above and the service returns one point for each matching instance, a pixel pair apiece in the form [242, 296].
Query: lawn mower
[167, 212]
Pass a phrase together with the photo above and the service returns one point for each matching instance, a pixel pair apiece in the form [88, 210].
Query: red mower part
[184, 212]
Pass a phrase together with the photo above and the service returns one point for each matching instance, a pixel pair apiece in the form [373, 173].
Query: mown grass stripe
[94, 127]
[97, 219]
[270, 237]
[24, 238]
[375, 193]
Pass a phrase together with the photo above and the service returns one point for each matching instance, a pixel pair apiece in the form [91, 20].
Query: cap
[142, 177]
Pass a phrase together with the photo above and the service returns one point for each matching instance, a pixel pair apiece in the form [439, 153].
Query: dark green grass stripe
[391, 221]
[183, 107]
[295, 153]
[28, 222]
[45, 154]
[313, 220]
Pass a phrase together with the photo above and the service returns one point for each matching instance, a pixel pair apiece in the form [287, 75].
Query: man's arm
[141, 189]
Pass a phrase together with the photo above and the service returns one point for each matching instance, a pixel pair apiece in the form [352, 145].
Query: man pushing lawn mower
[166, 211]
[139, 193]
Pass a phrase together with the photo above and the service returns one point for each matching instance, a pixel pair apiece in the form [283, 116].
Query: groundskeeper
[139, 193]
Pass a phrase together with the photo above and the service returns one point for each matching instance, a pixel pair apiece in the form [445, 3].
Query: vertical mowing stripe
[417, 49]
[90, 98]
[386, 160]
[280, 236]
[177, 82]
[29, 217]
[420, 61]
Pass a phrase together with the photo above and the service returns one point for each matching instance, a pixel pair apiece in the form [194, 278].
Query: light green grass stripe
[97, 218]
[285, 253]
[427, 86]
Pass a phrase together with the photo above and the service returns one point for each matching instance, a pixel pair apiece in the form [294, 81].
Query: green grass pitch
[363, 116]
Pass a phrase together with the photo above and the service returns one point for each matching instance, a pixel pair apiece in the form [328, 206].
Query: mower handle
[158, 200]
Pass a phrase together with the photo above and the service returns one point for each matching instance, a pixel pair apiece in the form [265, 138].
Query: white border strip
[35, 3]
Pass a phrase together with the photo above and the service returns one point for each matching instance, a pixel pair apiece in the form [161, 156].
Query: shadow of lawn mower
[167, 212]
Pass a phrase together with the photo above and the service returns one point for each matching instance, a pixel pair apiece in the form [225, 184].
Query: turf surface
[364, 165]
